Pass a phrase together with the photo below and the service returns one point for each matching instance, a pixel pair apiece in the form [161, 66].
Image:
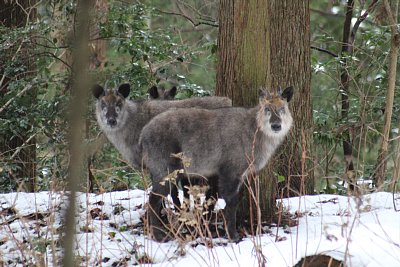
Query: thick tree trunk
[243, 57]
[290, 66]
[266, 43]
[243, 67]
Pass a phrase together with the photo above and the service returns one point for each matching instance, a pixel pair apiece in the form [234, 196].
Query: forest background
[174, 43]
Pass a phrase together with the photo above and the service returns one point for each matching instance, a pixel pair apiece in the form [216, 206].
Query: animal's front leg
[156, 224]
[230, 217]
[230, 193]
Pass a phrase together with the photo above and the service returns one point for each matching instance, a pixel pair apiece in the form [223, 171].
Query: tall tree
[391, 9]
[97, 61]
[347, 50]
[265, 43]
[348, 39]
[18, 144]
[77, 109]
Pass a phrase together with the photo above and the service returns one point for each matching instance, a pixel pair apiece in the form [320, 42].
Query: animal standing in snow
[227, 143]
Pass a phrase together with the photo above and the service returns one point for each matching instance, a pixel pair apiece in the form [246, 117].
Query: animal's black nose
[276, 127]
[112, 122]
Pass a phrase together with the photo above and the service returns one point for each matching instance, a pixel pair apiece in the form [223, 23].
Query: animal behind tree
[245, 141]
[161, 93]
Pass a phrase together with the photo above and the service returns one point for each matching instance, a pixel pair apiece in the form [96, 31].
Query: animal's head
[274, 116]
[161, 93]
[111, 106]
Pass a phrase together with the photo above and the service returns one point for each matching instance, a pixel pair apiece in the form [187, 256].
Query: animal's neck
[126, 137]
[264, 144]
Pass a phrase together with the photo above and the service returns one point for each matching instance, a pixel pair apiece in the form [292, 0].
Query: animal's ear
[172, 92]
[124, 89]
[287, 93]
[153, 92]
[97, 91]
[263, 93]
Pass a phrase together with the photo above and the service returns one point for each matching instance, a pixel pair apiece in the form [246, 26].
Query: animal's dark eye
[119, 104]
[267, 109]
[103, 105]
[281, 110]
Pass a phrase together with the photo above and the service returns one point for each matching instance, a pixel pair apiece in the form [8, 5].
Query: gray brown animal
[122, 120]
[160, 93]
[228, 143]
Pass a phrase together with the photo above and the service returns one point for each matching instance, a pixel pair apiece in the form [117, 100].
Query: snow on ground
[361, 232]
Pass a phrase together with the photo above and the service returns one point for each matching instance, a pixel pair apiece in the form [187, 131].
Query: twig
[361, 18]
[55, 57]
[324, 50]
[22, 146]
[325, 13]
[26, 88]
[193, 9]
[195, 24]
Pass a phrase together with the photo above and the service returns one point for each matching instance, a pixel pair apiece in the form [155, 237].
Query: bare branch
[325, 13]
[26, 88]
[55, 57]
[361, 18]
[324, 50]
[195, 24]
[195, 10]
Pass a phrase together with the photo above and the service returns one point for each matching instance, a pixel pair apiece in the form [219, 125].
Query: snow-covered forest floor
[360, 232]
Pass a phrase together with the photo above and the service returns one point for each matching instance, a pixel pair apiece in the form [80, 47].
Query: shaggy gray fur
[227, 143]
[122, 120]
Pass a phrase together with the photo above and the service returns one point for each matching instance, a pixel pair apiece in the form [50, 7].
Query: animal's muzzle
[112, 122]
[276, 127]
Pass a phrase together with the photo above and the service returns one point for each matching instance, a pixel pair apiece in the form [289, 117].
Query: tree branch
[324, 13]
[26, 88]
[361, 18]
[324, 50]
[195, 24]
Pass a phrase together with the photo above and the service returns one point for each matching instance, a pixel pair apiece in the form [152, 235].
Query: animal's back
[208, 137]
[208, 102]
[140, 112]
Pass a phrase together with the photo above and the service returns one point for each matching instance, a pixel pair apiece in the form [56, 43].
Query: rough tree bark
[380, 168]
[266, 43]
[290, 65]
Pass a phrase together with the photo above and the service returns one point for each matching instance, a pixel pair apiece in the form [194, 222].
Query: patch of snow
[362, 231]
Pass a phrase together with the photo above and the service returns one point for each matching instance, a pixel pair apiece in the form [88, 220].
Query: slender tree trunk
[97, 60]
[347, 50]
[266, 43]
[349, 35]
[19, 148]
[77, 107]
[380, 168]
